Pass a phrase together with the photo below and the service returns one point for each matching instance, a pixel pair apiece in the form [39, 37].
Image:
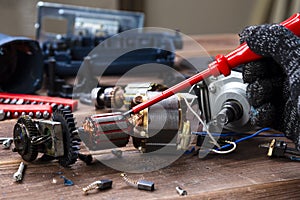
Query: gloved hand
[274, 81]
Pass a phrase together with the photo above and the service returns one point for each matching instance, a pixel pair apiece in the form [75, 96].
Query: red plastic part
[222, 65]
[40, 99]
[25, 108]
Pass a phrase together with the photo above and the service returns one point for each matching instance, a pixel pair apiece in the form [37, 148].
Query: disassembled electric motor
[164, 124]
[161, 125]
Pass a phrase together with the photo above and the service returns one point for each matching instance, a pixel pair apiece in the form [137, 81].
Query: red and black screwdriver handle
[222, 65]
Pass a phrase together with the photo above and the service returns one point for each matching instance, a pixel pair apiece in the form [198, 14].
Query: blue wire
[245, 138]
[235, 134]
[294, 158]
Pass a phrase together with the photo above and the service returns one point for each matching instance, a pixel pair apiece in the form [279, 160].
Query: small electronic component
[141, 184]
[280, 149]
[100, 185]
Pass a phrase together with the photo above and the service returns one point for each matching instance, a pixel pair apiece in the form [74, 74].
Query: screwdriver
[222, 65]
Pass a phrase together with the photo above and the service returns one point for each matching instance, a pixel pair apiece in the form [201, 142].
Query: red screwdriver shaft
[222, 65]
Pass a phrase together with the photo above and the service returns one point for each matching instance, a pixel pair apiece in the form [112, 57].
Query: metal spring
[129, 181]
[92, 186]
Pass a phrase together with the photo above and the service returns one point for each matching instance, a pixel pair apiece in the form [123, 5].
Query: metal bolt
[60, 106]
[30, 114]
[181, 191]
[38, 114]
[8, 114]
[212, 88]
[54, 106]
[6, 143]
[16, 114]
[46, 114]
[67, 107]
[2, 139]
[18, 176]
[2, 115]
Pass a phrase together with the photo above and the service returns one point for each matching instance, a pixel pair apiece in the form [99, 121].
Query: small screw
[181, 191]
[212, 88]
[7, 143]
[46, 114]
[30, 114]
[8, 114]
[38, 114]
[2, 115]
[18, 176]
[16, 114]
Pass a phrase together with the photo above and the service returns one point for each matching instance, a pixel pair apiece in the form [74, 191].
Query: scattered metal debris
[7, 143]
[181, 191]
[67, 182]
[100, 185]
[141, 184]
[2, 139]
[18, 176]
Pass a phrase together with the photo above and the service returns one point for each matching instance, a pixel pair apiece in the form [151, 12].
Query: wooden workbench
[245, 174]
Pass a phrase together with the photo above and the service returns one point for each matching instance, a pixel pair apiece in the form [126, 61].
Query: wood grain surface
[245, 174]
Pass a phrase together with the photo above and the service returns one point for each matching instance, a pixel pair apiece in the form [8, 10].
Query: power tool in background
[20, 56]
[67, 34]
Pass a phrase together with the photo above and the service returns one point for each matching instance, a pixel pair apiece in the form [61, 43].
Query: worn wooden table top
[245, 174]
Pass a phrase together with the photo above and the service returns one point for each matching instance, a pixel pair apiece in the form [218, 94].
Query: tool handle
[221, 65]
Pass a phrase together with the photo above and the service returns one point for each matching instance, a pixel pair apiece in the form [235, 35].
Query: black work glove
[274, 81]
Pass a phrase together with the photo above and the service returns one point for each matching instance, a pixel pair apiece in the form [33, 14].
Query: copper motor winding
[159, 125]
[105, 131]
